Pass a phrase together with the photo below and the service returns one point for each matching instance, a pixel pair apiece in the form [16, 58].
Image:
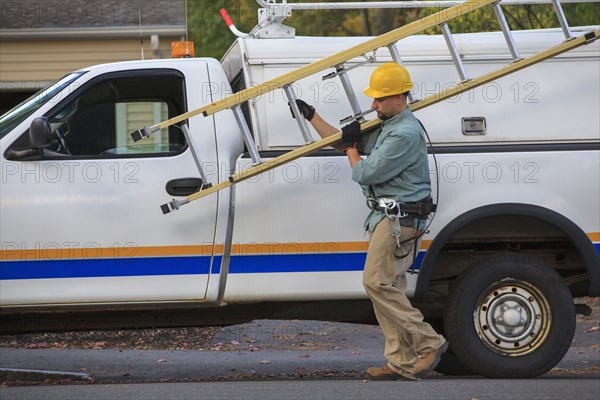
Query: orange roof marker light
[182, 49]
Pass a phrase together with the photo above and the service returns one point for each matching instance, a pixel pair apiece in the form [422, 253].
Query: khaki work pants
[384, 278]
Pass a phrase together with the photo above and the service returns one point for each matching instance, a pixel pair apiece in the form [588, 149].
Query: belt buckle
[387, 204]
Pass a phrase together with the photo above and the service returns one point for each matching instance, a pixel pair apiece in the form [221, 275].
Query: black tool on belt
[407, 213]
[420, 209]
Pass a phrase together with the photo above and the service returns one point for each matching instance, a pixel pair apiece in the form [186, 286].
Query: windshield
[18, 114]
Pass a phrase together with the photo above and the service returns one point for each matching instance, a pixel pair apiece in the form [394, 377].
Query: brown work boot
[428, 361]
[385, 373]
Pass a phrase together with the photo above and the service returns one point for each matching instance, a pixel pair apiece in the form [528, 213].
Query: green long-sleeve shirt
[396, 166]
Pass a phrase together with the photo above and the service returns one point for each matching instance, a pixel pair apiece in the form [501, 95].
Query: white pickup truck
[514, 240]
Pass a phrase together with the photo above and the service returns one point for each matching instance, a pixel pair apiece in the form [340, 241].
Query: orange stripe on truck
[53, 252]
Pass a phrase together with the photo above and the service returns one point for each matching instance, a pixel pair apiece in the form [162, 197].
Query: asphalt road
[439, 389]
[275, 360]
[257, 351]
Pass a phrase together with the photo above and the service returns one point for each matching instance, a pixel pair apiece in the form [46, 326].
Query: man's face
[389, 106]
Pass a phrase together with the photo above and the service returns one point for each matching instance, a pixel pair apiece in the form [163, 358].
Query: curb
[32, 375]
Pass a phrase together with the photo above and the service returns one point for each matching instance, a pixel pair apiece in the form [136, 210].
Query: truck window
[96, 122]
[18, 114]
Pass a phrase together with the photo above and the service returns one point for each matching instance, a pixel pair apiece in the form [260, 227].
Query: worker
[394, 176]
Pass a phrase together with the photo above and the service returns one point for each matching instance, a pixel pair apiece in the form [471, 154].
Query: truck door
[81, 221]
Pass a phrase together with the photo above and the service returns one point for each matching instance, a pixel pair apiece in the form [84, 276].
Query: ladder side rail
[318, 66]
[428, 101]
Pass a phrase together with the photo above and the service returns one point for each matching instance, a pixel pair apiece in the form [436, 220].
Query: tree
[212, 37]
[208, 31]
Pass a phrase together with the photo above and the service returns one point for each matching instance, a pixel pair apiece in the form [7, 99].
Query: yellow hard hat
[389, 79]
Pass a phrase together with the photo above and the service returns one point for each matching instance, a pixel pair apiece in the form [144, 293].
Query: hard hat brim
[376, 94]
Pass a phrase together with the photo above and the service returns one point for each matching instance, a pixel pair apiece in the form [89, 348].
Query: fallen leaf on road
[264, 362]
[161, 360]
[305, 356]
[355, 353]
[37, 346]
[594, 329]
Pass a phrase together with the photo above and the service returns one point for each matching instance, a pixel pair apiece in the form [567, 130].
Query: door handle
[185, 186]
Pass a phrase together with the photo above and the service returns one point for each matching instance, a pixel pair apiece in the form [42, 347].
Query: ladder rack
[336, 61]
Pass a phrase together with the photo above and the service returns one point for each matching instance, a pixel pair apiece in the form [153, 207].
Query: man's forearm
[353, 157]
[324, 129]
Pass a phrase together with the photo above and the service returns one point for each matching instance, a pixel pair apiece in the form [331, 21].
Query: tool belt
[420, 209]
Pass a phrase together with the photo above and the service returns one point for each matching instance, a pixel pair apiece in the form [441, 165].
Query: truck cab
[79, 216]
[81, 225]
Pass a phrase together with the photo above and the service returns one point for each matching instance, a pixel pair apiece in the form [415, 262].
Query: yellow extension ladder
[439, 19]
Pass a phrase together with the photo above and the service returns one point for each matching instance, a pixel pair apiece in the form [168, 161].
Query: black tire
[449, 364]
[510, 316]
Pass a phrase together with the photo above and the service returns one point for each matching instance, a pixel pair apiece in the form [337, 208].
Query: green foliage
[521, 17]
[213, 38]
[208, 31]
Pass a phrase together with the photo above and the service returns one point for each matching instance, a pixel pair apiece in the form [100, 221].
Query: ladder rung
[347, 85]
[454, 52]
[506, 31]
[398, 60]
[360, 117]
[246, 135]
[291, 96]
[188, 139]
[562, 19]
[395, 53]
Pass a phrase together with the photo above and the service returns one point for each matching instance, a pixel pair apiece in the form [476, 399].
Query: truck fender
[574, 233]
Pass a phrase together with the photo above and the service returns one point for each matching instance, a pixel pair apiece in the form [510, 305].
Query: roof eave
[91, 33]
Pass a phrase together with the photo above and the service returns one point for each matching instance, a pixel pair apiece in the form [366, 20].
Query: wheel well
[504, 228]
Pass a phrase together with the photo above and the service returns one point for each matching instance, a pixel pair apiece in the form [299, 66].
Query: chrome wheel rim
[512, 317]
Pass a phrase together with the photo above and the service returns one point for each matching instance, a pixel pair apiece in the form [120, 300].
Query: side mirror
[40, 133]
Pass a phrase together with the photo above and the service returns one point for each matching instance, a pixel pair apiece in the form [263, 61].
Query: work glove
[350, 135]
[306, 109]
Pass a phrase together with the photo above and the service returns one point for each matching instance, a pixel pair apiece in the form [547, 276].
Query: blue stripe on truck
[319, 262]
